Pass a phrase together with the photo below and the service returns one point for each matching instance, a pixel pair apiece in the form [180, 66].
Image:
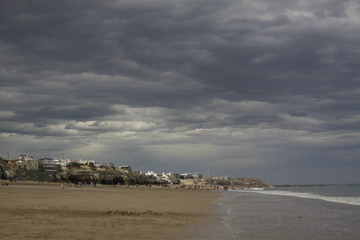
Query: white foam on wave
[346, 200]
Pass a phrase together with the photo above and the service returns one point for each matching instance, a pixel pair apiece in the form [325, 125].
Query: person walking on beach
[62, 185]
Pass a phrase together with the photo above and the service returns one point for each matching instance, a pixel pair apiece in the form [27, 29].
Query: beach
[30, 210]
[46, 211]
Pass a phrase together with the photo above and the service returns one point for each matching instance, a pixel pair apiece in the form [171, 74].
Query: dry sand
[45, 211]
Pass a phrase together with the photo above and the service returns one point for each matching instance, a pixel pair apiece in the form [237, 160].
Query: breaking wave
[336, 199]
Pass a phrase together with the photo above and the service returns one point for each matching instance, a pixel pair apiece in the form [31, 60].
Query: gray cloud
[255, 88]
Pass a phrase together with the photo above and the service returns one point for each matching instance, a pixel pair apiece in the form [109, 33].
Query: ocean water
[308, 212]
[347, 193]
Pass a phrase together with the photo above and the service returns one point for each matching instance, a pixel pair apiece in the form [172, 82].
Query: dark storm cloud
[246, 83]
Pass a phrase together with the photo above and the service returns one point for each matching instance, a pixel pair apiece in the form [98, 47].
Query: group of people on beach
[204, 187]
[182, 186]
[78, 184]
[3, 183]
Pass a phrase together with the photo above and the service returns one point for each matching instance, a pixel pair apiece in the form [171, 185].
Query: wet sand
[256, 216]
[45, 211]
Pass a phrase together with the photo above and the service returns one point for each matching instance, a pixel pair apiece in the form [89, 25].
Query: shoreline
[254, 216]
[34, 210]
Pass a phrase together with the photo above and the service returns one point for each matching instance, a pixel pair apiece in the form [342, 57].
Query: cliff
[237, 182]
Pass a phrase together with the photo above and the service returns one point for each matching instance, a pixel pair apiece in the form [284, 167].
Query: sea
[324, 212]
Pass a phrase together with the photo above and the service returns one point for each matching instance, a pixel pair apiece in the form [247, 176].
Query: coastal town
[82, 172]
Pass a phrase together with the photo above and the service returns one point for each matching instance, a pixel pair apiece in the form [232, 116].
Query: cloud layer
[266, 89]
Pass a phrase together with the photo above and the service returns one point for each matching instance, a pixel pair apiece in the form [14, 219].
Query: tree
[73, 165]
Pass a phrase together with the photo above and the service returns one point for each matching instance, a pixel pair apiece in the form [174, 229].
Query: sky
[239, 88]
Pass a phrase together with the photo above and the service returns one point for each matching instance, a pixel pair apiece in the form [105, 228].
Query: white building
[87, 162]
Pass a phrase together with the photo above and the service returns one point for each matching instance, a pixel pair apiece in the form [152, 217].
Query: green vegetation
[39, 176]
[73, 165]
